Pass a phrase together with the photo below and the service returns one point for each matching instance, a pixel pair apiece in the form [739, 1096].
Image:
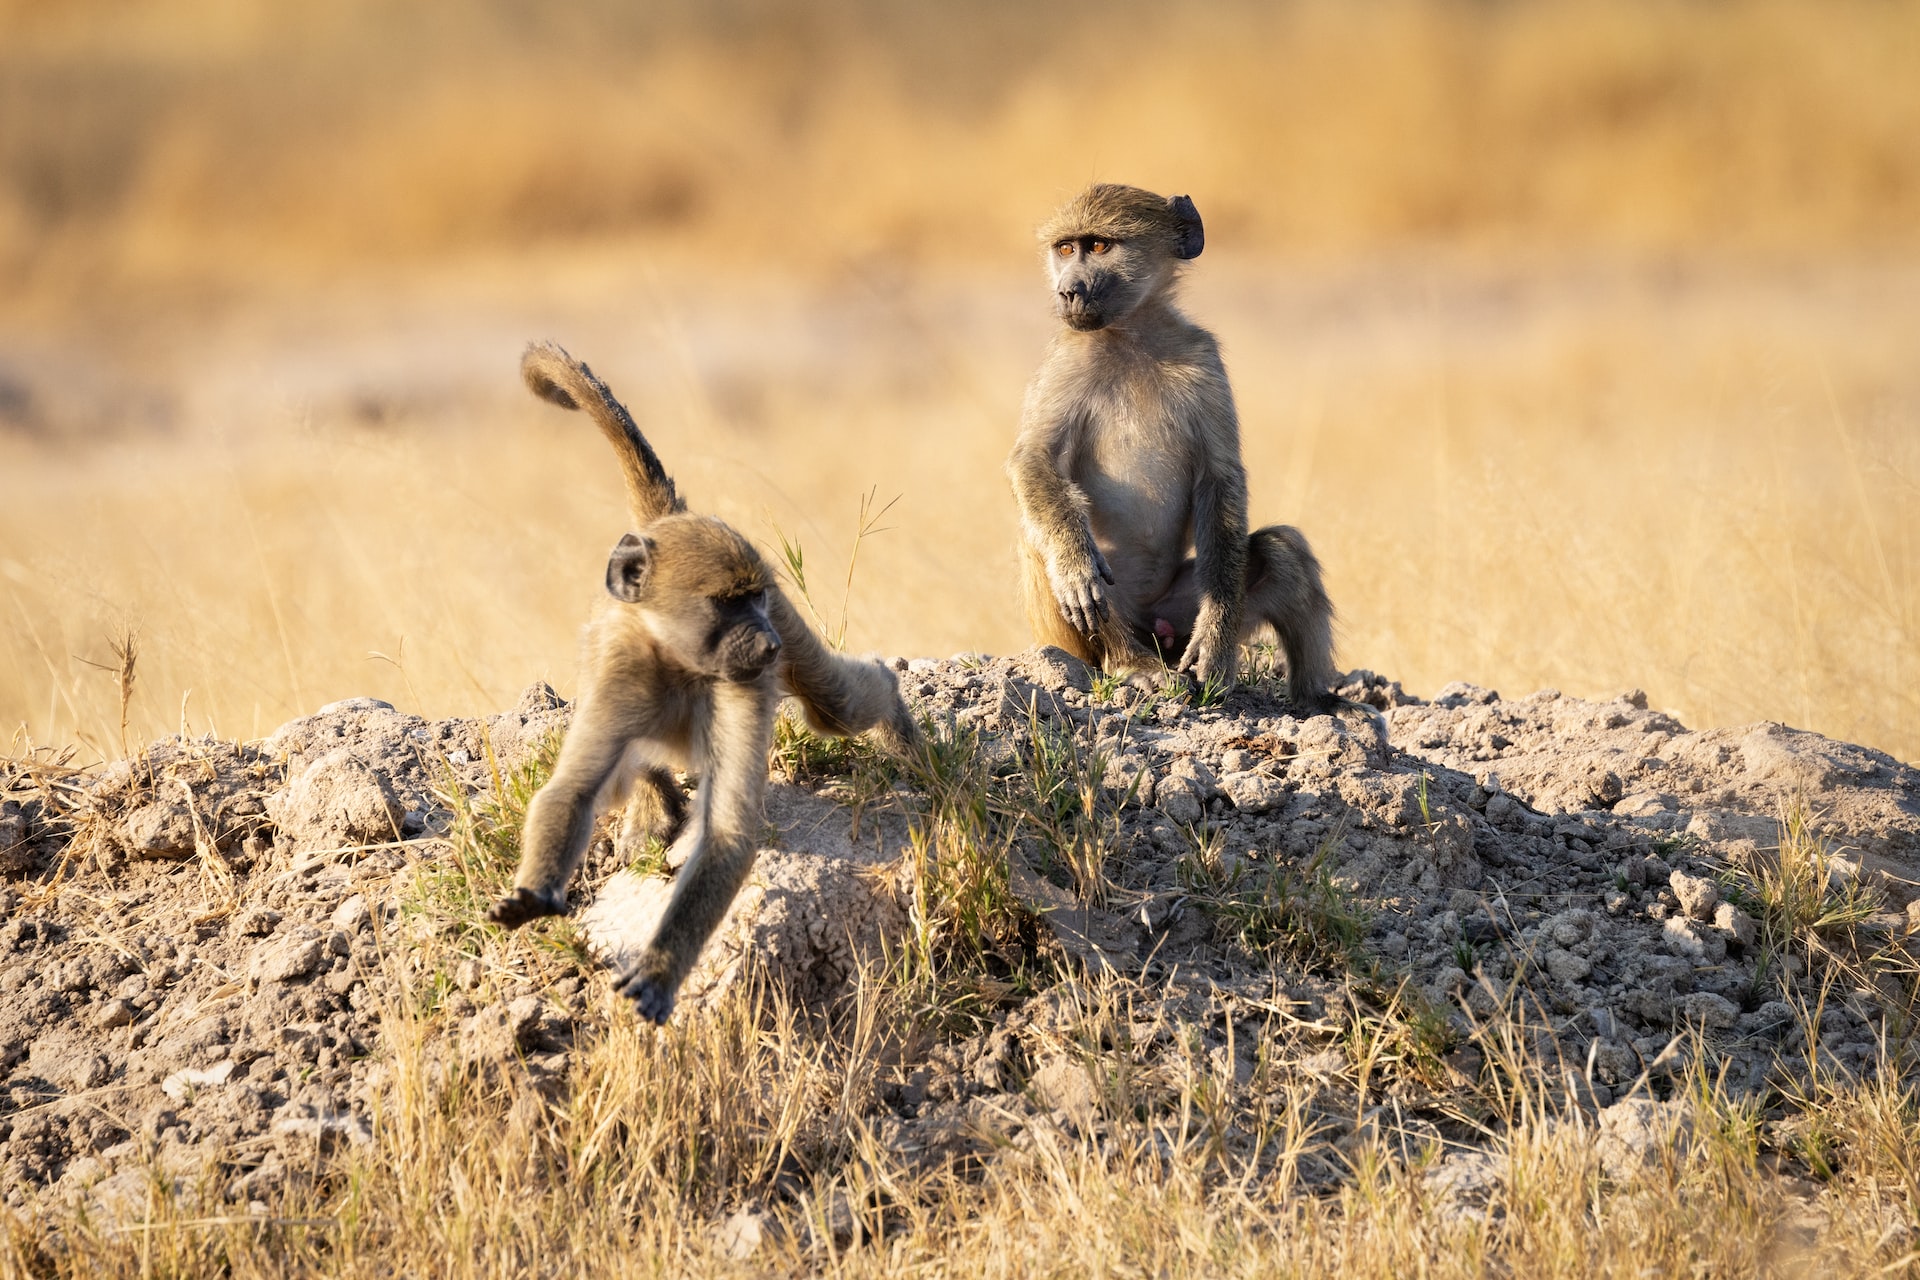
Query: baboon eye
[1064, 248]
[1101, 246]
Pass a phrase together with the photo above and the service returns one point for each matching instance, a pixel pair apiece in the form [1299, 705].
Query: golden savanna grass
[1582, 338]
[1578, 476]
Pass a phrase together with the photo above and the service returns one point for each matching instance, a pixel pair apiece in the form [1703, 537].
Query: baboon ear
[627, 568]
[1193, 237]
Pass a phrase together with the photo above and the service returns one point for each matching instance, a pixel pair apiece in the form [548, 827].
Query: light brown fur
[1127, 470]
[683, 666]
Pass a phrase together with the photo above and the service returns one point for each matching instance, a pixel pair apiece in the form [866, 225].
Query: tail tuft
[558, 378]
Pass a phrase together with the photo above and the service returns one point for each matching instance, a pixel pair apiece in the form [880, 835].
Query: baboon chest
[1136, 464]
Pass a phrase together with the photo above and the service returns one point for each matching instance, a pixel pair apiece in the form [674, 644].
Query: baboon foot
[523, 905]
[1321, 704]
[651, 997]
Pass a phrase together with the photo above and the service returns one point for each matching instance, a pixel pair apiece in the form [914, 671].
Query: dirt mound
[199, 947]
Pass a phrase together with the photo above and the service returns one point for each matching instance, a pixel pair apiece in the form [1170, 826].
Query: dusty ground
[200, 946]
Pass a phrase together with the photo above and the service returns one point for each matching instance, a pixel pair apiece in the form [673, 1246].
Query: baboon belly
[1141, 528]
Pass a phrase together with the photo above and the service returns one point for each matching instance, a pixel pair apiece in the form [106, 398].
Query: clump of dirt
[198, 946]
[189, 941]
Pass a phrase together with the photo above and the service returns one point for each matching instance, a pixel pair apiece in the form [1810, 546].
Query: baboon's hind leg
[656, 810]
[1284, 591]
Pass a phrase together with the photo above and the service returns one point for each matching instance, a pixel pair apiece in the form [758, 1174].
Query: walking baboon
[685, 664]
[1129, 455]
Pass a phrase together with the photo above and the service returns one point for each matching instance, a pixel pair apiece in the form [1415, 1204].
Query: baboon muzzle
[747, 655]
[1078, 309]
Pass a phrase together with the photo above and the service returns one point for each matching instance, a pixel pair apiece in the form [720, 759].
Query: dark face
[1098, 282]
[740, 643]
[703, 594]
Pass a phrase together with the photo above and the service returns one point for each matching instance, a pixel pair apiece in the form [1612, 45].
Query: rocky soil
[199, 946]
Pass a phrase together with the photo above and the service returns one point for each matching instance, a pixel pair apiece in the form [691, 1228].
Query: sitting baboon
[684, 664]
[1129, 456]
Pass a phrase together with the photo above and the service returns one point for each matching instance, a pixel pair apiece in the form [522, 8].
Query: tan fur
[1127, 470]
[683, 667]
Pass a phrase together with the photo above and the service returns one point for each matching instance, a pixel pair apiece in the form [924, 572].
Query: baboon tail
[554, 375]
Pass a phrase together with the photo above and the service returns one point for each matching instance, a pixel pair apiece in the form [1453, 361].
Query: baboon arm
[729, 811]
[1054, 521]
[841, 696]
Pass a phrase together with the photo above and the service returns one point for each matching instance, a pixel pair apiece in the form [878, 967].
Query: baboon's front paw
[1081, 594]
[523, 905]
[901, 735]
[652, 999]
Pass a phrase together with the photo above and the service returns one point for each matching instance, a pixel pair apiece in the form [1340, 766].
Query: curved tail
[554, 375]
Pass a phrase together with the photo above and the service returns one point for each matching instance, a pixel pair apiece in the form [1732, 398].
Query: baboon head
[1111, 247]
[702, 591]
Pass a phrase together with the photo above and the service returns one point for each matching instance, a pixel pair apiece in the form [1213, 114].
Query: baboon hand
[1080, 589]
[652, 997]
[1207, 660]
[523, 905]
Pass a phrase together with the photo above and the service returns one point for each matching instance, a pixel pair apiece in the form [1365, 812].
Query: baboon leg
[656, 809]
[841, 696]
[559, 822]
[725, 829]
[1284, 591]
[1114, 648]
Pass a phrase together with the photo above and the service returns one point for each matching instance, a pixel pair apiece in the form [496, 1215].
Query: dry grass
[175, 141]
[1580, 336]
[1702, 480]
[657, 1137]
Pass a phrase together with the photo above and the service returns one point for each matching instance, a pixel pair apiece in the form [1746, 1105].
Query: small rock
[836, 1214]
[744, 1233]
[90, 1072]
[1254, 792]
[14, 853]
[1774, 1018]
[347, 705]
[294, 958]
[162, 831]
[500, 1033]
[336, 802]
[1462, 1183]
[1698, 895]
[1129, 780]
[1566, 967]
[350, 915]
[1056, 669]
[1735, 923]
[114, 1013]
[325, 1128]
[256, 922]
[181, 1085]
[1685, 938]
[1633, 1134]
[1063, 1085]
[1705, 1009]
[1182, 793]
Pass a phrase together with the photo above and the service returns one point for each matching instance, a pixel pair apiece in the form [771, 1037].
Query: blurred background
[1582, 337]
